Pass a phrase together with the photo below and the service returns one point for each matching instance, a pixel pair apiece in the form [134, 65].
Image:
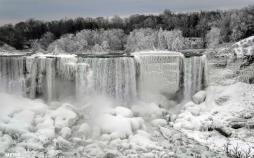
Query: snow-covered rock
[84, 129]
[123, 111]
[221, 100]
[244, 47]
[147, 110]
[142, 138]
[5, 142]
[65, 132]
[64, 116]
[46, 129]
[119, 125]
[199, 97]
[159, 122]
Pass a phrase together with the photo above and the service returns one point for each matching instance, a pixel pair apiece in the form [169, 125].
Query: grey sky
[17, 10]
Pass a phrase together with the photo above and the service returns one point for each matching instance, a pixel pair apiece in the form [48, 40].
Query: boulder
[250, 125]
[221, 100]
[199, 97]
[237, 123]
[123, 111]
[109, 155]
[84, 129]
[65, 132]
[64, 116]
[159, 122]
[224, 131]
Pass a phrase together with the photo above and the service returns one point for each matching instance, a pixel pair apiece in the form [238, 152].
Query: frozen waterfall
[195, 78]
[159, 75]
[155, 76]
[114, 77]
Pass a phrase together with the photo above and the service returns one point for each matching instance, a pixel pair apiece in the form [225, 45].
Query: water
[195, 77]
[114, 77]
[12, 78]
[159, 75]
[156, 77]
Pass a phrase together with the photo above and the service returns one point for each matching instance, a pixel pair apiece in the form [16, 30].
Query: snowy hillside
[244, 47]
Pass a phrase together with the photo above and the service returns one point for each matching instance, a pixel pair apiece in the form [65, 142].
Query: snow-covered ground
[96, 129]
[100, 128]
[244, 47]
[225, 108]
[218, 117]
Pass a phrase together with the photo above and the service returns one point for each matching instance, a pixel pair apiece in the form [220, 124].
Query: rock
[221, 100]
[247, 114]
[123, 111]
[5, 143]
[109, 155]
[195, 111]
[65, 132]
[84, 129]
[199, 97]
[64, 116]
[237, 123]
[250, 125]
[159, 122]
[224, 131]
[62, 143]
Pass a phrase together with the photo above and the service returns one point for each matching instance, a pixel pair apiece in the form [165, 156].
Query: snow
[223, 104]
[142, 138]
[157, 52]
[100, 127]
[120, 124]
[122, 111]
[5, 142]
[244, 47]
[65, 132]
[158, 122]
[199, 97]
[64, 116]
[147, 110]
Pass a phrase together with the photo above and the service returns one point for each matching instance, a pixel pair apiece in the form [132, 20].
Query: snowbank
[244, 47]
[223, 104]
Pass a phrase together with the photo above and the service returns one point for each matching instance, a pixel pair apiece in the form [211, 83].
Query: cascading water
[148, 76]
[195, 77]
[114, 77]
[159, 75]
[84, 81]
[12, 77]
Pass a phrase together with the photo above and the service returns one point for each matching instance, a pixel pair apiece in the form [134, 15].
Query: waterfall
[114, 77]
[159, 74]
[12, 77]
[155, 76]
[195, 77]
[83, 81]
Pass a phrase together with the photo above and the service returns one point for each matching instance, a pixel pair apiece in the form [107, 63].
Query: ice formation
[152, 76]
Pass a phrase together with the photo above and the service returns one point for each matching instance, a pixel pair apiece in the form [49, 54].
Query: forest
[132, 33]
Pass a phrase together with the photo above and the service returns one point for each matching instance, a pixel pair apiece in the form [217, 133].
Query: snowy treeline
[90, 41]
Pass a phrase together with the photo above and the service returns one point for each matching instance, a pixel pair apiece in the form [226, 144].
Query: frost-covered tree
[141, 39]
[174, 40]
[162, 43]
[213, 37]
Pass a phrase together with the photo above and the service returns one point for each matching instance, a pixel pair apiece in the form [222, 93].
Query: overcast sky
[18, 10]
